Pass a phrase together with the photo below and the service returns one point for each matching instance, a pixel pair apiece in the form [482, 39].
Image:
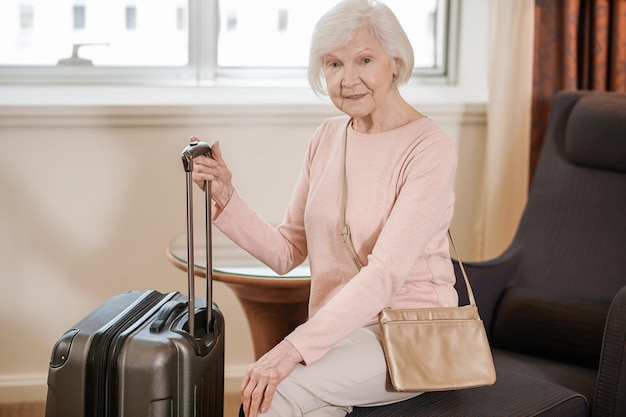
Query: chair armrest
[610, 390]
[489, 279]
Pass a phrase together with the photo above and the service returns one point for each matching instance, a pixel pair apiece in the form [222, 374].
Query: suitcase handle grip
[192, 150]
[164, 314]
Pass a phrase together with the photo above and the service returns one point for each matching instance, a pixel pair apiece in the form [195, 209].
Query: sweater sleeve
[281, 248]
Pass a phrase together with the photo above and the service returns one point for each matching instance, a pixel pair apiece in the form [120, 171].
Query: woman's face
[359, 76]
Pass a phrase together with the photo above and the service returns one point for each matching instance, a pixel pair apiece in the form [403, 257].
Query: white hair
[337, 26]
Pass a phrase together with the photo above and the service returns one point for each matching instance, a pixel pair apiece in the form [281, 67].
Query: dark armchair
[554, 303]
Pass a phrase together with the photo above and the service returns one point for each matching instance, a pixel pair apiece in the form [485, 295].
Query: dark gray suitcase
[135, 356]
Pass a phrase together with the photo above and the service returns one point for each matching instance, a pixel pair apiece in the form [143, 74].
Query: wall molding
[23, 388]
[202, 115]
[120, 106]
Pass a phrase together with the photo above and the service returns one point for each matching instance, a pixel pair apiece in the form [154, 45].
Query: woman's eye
[367, 60]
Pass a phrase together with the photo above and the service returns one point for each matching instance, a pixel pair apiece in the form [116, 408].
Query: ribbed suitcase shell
[136, 372]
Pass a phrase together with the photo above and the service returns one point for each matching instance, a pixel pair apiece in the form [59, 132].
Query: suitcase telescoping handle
[193, 150]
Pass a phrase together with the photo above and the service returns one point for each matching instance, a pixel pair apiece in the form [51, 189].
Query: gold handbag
[431, 349]
[436, 349]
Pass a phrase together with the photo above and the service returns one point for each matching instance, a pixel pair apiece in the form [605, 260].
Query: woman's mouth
[354, 96]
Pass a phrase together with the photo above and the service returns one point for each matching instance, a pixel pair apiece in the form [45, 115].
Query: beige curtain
[505, 183]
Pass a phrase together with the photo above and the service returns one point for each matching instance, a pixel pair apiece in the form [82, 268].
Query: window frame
[202, 69]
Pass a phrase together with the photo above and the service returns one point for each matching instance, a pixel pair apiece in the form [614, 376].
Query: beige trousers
[353, 373]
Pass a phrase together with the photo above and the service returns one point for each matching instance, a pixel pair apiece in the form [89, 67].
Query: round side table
[274, 304]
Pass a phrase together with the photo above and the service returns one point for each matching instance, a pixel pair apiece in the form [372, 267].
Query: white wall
[92, 191]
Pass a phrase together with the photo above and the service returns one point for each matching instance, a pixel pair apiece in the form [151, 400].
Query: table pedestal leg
[272, 313]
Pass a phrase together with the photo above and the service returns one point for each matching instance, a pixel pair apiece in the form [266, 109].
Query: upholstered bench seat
[513, 395]
[577, 378]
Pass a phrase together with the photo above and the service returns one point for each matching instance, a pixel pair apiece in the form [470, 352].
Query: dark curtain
[579, 45]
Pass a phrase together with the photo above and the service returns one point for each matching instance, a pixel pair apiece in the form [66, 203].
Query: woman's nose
[350, 77]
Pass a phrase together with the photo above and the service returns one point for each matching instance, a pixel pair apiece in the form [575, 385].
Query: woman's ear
[396, 69]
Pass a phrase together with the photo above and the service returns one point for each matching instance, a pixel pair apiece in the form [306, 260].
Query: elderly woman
[390, 171]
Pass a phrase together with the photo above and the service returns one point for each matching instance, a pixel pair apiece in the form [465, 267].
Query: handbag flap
[467, 312]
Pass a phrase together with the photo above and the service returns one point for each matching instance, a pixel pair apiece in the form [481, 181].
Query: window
[179, 40]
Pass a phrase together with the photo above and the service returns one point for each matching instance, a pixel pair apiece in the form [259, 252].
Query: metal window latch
[75, 59]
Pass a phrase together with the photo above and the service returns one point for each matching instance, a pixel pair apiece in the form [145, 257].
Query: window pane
[419, 20]
[276, 33]
[40, 32]
[26, 16]
[79, 17]
[131, 18]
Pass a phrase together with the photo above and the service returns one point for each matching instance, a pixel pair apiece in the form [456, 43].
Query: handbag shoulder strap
[345, 229]
[470, 293]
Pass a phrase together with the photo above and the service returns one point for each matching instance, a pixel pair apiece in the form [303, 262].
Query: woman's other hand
[214, 170]
[262, 377]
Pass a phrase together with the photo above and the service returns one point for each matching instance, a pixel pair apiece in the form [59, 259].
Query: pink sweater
[400, 202]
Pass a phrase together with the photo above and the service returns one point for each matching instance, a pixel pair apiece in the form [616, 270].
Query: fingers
[247, 389]
[257, 394]
[216, 151]
[201, 172]
[252, 392]
[251, 397]
[268, 395]
[208, 168]
[263, 376]
[205, 168]
[197, 175]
